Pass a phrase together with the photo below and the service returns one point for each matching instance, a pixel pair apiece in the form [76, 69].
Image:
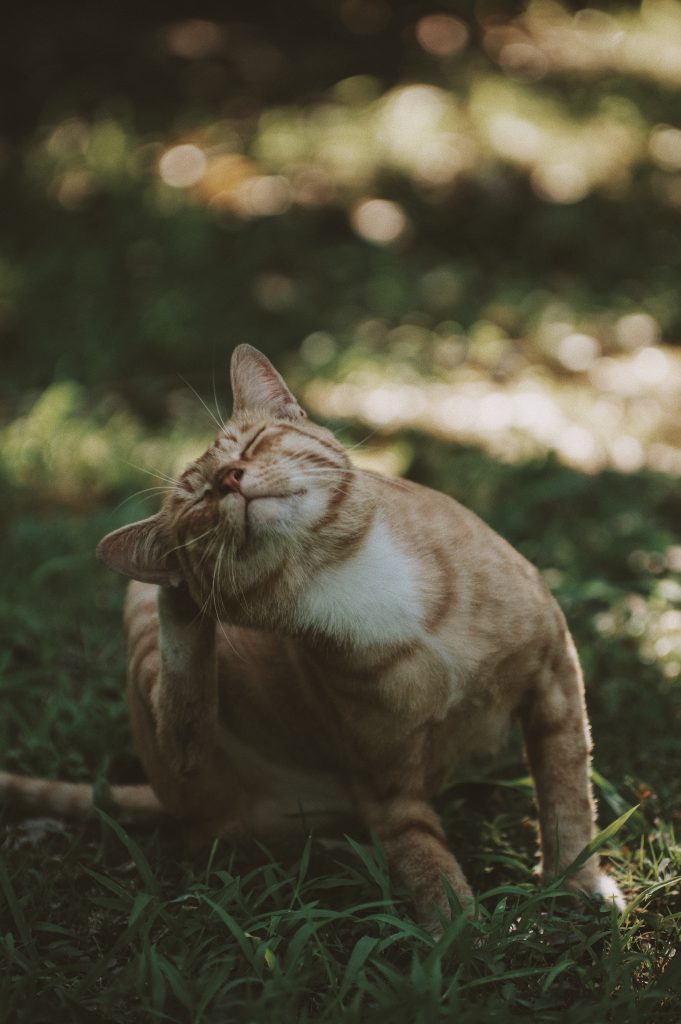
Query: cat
[310, 643]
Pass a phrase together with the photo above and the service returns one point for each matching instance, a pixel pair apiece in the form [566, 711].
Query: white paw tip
[608, 889]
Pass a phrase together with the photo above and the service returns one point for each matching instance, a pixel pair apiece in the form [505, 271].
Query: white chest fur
[371, 598]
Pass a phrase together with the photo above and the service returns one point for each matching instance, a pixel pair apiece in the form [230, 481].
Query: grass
[101, 924]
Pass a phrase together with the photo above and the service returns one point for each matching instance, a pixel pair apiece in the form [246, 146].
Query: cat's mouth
[285, 494]
[259, 510]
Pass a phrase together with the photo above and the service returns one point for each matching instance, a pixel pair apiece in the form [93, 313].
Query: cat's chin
[267, 512]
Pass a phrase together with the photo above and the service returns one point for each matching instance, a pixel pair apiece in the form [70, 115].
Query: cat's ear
[257, 385]
[141, 552]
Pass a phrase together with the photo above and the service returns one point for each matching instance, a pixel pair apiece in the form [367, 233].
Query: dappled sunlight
[419, 307]
[549, 37]
[435, 171]
[618, 411]
[566, 157]
[336, 150]
[433, 136]
[653, 623]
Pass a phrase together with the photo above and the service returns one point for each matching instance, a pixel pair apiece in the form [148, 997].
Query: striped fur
[309, 643]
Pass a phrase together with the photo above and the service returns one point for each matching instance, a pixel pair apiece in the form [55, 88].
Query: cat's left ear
[257, 385]
[141, 552]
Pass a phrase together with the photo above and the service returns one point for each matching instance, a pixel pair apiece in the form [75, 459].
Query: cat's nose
[228, 480]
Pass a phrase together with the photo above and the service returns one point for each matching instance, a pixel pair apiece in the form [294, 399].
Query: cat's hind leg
[418, 854]
[558, 745]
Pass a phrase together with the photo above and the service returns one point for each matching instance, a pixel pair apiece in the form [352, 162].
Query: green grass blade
[600, 840]
[136, 855]
[17, 912]
[360, 954]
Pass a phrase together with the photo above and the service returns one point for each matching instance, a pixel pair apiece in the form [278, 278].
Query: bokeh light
[194, 39]
[182, 166]
[441, 34]
[490, 314]
[379, 220]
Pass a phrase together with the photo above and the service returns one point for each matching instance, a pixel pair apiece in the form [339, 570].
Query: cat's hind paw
[599, 887]
[608, 890]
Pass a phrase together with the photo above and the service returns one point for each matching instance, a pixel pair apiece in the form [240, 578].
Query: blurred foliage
[172, 186]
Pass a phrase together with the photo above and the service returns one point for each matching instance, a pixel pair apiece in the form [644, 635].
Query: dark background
[119, 282]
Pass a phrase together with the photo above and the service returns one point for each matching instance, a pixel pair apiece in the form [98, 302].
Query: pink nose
[228, 482]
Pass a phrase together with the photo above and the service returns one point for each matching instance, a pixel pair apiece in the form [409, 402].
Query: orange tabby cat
[308, 640]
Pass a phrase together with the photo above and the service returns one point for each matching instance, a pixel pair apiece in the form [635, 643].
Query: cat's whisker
[146, 490]
[150, 472]
[216, 564]
[302, 459]
[218, 603]
[360, 444]
[202, 559]
[235, 586]
[334, 473]
[220, 625]
[194, 540]
[216, 421]
[217, 404]
[395, 480]
[220, 612]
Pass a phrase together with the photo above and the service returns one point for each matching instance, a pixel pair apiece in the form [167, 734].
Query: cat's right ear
[141, 552]
[257, 385]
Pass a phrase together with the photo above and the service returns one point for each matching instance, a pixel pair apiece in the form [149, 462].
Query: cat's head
[272, 481]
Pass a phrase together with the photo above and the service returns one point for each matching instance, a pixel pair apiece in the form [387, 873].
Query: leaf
[360, 954]
[562, 965]
[614, 800]
[373, 868]
[109, 884]
[301, 938]
[303, 866]
[17, 911]
[138, 858]
[177, 984]
[491, 979]
[600, 840]
[158, 985]
[142, 901]
[219, 982]
[232, 927]
[650, 891]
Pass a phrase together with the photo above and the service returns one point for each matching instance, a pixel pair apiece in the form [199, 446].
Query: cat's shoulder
[426, 522]
[405, 501]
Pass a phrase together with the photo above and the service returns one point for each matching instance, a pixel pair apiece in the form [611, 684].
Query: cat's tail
[26, 795]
